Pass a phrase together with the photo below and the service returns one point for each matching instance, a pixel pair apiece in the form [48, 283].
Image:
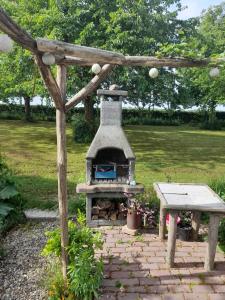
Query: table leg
[212, 241]
[171, 244]
[195, 225]
[162, 223]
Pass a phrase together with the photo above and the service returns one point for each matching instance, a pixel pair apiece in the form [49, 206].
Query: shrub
[83, 132]
[10, 200]
[85, 272]
[216, 125]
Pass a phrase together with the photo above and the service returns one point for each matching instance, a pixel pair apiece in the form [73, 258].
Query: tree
[205, 91]
[131, 27]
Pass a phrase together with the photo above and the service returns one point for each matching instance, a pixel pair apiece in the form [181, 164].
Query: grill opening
[111, 165]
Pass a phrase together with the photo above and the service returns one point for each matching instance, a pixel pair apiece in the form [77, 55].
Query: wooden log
[195, 225]
[212, 241]
[90, 87]
[176, 62]
[172, 233]
[162, 223]
[87, 53]
[50, 83]
[8, 26]
[62, 170]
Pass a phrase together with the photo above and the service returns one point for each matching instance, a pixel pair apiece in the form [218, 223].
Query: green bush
[83, 132]
[216, 125]
[151, 121]
[10, 200]
[85, 271]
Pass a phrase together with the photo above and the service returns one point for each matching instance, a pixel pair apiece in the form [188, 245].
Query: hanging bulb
[153, 73]
[6, 43]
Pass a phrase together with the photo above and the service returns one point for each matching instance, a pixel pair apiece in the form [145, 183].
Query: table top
[189, 196]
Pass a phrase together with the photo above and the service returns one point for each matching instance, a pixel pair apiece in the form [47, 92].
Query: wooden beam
[8, 26]
[87, 53]
[151, 61]
[62, 170]
[90, 87]
[50, 83]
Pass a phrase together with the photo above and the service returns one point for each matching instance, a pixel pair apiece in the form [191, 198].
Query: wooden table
[175, 197]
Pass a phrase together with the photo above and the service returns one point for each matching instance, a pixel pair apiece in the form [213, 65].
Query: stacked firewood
[105, 209]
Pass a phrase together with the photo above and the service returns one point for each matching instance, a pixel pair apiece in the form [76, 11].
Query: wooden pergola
[66, 55]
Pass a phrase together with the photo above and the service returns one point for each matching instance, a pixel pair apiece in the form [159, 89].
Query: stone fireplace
[110, 165]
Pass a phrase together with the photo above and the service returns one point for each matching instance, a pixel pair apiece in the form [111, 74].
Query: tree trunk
[89, 109]
[27, 100]
[62, 170]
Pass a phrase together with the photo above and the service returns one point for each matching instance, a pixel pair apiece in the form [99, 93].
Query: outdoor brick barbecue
[110, 165]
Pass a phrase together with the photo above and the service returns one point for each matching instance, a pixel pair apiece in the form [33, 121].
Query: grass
[180, 154]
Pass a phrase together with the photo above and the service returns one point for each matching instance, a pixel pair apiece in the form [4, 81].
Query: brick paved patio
[135, 269]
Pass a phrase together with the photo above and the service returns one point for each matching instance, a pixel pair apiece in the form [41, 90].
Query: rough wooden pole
[62, 169]
[172, 233]
[195, 225]
[162, 223]
[214, 222]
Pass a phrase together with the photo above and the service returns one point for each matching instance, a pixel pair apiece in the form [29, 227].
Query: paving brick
[173, 279]
[191, 296]
[128, 296]
[118, 282]
[108, 296]
[202, 289]
[129, 267]
[150, 297]
[216, 297]
[219, 289]
[149, 266]
[149, 281]
[134, 249]
[173, 297]
[148, 253]
[158, 273]
[157, 259]
[181, 288]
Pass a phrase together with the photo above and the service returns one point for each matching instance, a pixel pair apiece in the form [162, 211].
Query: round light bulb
[6, 43]
[214, 72]
[48, 59]
[96, 68]
[153, 73]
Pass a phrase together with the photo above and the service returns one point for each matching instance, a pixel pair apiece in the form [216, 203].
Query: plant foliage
[10, 200]
[85, 272]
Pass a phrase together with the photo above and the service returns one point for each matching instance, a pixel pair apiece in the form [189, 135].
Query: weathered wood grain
[62, 169]
[50, 83]
[214, 221]
[172, 232]
[90, 87]
[87, 53]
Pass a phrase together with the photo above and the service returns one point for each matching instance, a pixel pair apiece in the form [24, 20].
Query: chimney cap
[112, 93]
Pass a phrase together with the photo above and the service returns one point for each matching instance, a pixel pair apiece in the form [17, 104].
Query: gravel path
[22, 267]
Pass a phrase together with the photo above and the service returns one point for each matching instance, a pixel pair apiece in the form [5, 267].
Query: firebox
[110, 161]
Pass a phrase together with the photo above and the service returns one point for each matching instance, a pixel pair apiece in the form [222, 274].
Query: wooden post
[162, 223]
[195, 225]
[214, 222]
[62, 169]
[172, 233]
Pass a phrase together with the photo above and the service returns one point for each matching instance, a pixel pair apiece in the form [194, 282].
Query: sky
[195, 7]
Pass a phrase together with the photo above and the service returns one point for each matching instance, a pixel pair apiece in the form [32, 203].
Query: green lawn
[181, 154]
